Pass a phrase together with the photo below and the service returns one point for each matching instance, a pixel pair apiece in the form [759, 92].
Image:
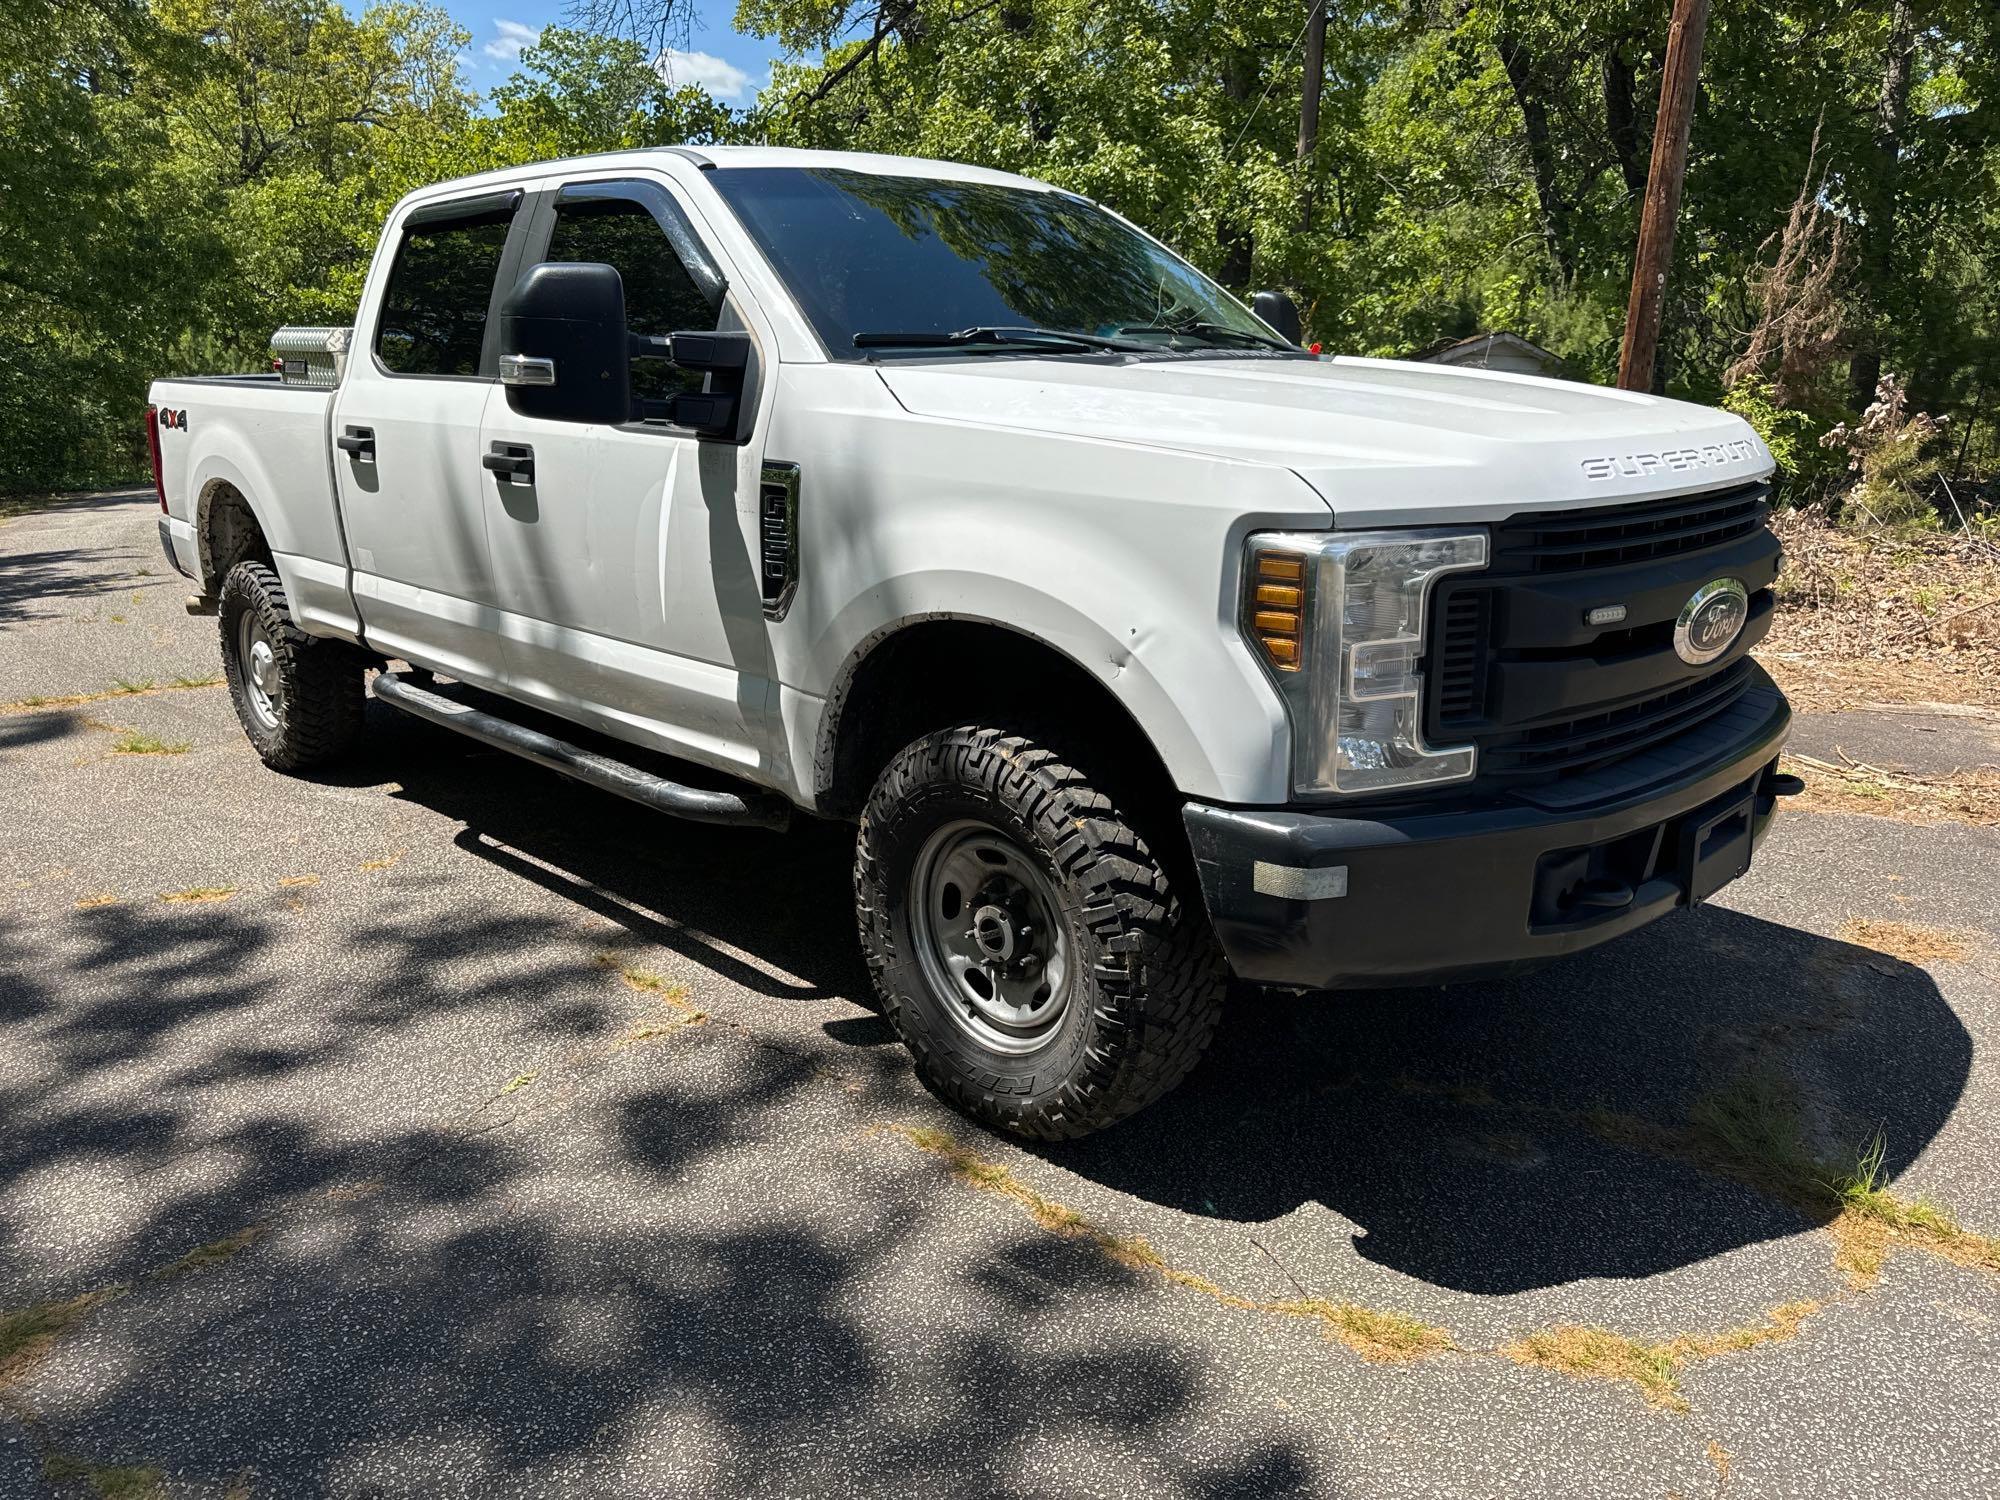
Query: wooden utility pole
[1663, 194]
[1309, 101]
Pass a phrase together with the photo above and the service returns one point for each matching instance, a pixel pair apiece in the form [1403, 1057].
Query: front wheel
[299, 698]
[1024, 940]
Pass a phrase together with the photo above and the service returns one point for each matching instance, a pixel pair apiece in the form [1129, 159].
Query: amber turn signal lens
[1275, 608]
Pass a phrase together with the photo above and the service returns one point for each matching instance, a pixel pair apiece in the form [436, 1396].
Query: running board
[600, 771]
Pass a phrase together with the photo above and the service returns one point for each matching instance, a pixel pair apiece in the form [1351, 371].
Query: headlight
[1338, 620]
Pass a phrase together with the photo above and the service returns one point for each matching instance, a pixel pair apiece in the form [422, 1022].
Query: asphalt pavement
[437, 1127]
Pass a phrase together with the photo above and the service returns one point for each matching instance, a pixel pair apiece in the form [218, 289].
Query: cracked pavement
[529, 1227]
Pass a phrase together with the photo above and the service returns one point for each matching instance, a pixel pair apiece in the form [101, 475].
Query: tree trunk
[1520, 65]
[1315, 77]
[1237, 240]
[1878, 231]
[1621, 118]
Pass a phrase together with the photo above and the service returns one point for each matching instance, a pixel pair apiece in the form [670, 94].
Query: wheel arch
[227, 530]
[937, 670]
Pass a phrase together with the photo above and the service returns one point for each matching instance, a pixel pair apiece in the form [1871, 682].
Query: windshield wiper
[1052, 339]
[1215, 333]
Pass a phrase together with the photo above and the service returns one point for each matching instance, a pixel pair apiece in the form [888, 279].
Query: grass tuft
[200, 893]
[202, 1257]
[1380, 1337]
[126, 687]
[1585, 1353]
[96, 899]
[1599, 1354]
[1724, 1461]
[28, 1334]
[123, 689]
[1752, 1130]
[106, 1481]
[1910, 941]
[1873, 1221]
[660, 988]
[134, 742]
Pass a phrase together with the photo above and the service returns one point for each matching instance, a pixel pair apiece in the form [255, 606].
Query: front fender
[1198, 698]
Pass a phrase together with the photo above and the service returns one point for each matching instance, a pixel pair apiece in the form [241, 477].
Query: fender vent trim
[778, 537]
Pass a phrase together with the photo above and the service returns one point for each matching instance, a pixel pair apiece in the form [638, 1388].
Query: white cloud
[506, 47]
[723, 79]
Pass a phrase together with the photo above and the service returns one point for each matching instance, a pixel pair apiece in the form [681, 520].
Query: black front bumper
[1433, 893]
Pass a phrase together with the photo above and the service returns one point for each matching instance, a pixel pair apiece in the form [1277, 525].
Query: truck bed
[257, 436]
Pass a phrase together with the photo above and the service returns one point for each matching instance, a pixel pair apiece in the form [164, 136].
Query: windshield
[869, 257]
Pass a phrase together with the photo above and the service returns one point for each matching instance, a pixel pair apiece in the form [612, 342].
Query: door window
[660, 296]
[434, 310]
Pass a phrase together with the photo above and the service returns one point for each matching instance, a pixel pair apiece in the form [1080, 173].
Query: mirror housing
[1278, 310]
[571, 315]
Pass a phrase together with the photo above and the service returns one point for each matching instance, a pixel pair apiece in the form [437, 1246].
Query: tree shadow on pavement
[1461, 1128]
[605, 1298]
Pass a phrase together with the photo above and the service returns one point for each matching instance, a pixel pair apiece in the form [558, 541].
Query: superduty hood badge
[1671, 460]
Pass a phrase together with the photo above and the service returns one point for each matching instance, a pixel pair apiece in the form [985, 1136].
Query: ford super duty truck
[1142, 646]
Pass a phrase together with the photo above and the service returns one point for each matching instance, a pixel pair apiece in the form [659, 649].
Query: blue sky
[730, 66]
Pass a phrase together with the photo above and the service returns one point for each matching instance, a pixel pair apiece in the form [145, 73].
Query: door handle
[360, 441]
[511, 461]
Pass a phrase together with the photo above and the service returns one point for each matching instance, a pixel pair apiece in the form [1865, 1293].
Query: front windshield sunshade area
[869, 257]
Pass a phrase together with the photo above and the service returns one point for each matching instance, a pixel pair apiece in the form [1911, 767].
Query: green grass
[27, 1333]
[136, 742]
[107, 1481]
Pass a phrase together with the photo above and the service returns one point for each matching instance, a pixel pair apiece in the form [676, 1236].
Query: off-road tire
[322, 682]
[1148, 981]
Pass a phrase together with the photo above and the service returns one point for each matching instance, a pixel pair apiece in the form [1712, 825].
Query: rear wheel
[1024, 940]
[299, 698]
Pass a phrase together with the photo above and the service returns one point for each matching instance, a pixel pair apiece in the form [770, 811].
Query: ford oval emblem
[1711, 621]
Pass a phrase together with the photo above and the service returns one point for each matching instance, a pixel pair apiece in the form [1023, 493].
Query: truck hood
[1384, 442]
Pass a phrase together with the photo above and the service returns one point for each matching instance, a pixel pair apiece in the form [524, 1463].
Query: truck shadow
[771, 912]
[1504, 1136]
[1490, 1137]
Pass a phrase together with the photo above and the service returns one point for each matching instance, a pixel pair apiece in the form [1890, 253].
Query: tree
[578, 92]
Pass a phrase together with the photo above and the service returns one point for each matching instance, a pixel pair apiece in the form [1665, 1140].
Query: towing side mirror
[563, 348]
[1280, 312]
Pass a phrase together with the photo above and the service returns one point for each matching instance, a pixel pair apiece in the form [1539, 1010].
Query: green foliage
[1478, 165]
[582, 93]
[1892, 452]
[178, 177]
[1807, 467]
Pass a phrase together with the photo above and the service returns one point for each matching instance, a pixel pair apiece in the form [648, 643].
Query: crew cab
[1140, 645]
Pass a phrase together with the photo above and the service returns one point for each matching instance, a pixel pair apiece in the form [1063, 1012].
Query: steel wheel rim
[262, 687]
[989, 936]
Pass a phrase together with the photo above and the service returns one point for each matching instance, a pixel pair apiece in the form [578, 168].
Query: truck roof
[722, 158]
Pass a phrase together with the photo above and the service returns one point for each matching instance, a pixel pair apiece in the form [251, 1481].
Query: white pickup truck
[1142, 645]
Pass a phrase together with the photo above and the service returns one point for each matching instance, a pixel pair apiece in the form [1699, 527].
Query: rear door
[406, 425]
[628, 563]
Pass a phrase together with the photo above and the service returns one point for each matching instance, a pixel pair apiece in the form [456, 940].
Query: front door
[627, 563]
[406, 424]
